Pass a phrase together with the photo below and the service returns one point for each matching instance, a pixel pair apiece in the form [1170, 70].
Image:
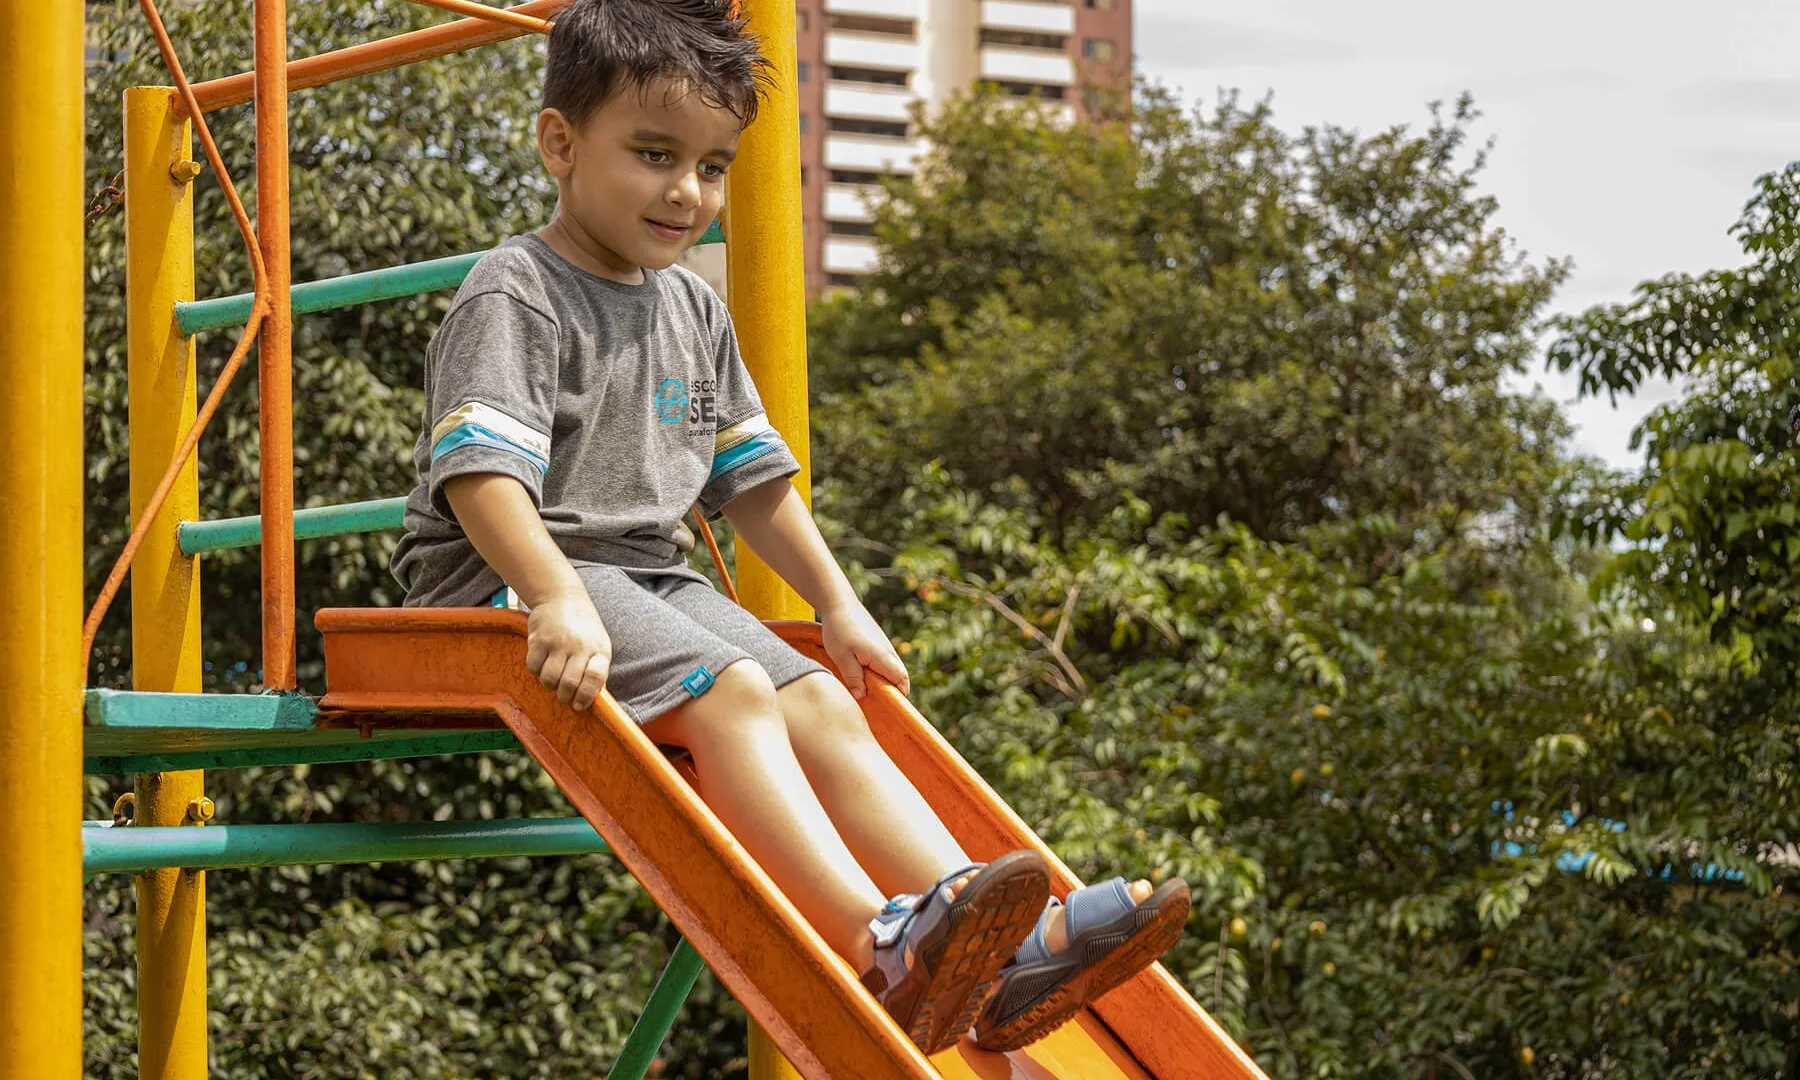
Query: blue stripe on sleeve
[744, 453]
[476, 435]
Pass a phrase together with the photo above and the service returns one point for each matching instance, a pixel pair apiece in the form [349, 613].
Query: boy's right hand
[568, 648]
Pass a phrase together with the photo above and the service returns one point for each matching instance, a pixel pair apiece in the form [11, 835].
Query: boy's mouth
[668, 230]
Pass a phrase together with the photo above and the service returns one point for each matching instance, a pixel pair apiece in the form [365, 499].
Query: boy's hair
[599, 48]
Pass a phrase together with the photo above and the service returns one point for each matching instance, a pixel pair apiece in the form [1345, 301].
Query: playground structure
[400, 683]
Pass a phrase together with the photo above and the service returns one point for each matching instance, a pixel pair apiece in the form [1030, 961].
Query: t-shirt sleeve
[747, 450]
[491, 394]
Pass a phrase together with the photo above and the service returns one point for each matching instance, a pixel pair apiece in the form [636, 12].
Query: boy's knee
[743, 689]
[818, 704]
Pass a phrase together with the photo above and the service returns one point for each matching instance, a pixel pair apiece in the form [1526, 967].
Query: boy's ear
[556, 142]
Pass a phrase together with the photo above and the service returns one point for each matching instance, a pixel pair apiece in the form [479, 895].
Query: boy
[581, 393]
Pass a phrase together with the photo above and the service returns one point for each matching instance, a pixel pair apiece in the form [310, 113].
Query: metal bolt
[184, 172]
[199, 811]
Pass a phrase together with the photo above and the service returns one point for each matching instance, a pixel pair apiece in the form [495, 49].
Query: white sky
[1629, 132]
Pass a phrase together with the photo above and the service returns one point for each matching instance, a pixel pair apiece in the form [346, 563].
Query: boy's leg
[889, 827]
[749, 776]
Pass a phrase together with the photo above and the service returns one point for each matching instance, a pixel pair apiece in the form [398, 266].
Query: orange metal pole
[275, 346]
[491, 14]
[397, 51]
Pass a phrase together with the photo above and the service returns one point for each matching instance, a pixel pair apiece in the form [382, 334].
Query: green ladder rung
[107, 849]
[367, 287]
[312, 523]
[130, 731]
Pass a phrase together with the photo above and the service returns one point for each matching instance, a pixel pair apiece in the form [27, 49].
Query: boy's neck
[567, 238]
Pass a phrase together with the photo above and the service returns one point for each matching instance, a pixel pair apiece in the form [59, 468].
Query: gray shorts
[672, 635]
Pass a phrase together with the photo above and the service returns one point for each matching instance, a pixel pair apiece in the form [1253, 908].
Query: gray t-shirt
[616, 406]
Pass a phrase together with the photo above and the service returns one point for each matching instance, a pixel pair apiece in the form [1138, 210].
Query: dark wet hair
[599, 48]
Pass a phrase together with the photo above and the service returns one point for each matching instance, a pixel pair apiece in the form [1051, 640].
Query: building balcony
[1037, 18]
[882, 52]
[872, 153]
[1044, 67]
[850, 202]
[863, 101]
[849, 255]
[880, 9]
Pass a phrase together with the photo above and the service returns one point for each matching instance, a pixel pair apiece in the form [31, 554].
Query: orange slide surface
[465, 668]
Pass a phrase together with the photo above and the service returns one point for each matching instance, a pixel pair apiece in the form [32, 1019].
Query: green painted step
[130, 731]
[367, 287]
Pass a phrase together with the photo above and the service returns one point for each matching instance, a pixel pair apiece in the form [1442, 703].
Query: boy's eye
[712, 170]
[655, 157]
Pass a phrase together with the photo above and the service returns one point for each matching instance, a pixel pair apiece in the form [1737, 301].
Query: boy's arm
[567, 646]
[773, 519]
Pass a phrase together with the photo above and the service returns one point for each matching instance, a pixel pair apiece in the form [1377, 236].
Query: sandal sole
[1156, 924]
[960, 967]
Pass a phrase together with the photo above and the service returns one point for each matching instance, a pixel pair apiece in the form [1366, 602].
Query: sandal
[957, 946]
[1111, 938]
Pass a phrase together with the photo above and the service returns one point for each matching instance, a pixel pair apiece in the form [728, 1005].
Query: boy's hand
[854, 641]
[568, 648]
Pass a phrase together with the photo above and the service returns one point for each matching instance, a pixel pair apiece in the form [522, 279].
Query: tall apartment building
[863, 63]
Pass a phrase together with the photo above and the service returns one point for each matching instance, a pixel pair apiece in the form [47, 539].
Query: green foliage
[1228, 554]
[1202, 309]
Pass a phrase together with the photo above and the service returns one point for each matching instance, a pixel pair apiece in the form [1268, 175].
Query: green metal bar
[352, 289]
[653, 1024]
[339, 292]
[132, 850]
[109, 751]
[312, 523]
[225, 712]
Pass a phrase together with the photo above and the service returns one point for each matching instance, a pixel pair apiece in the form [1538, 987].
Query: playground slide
[463, 668]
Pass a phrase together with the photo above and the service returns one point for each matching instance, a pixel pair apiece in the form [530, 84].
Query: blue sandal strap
[1089, 906]
[1095, 905]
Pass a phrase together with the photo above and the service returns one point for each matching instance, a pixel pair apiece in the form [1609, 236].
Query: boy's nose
[686, 191]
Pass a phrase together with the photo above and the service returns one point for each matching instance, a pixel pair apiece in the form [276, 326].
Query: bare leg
[750, 778]
[889, 827]
[892, 830]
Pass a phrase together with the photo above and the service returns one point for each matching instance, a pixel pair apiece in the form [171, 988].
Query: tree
[1187, 474]
[1214, 314]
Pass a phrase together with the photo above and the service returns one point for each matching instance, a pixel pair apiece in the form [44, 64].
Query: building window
[1096, 48]
[1023, 39]
[805, 176]
[868, 75]
[864, 24]
[1030, 90]
[803, 124]
[804, 69]
[855, 176]
[802, 21]
[891, 129]
[850, 228]
[1101, 5]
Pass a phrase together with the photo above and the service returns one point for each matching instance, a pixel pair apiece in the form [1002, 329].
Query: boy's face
[641, 177]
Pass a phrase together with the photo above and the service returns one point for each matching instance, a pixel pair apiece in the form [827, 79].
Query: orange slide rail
[465, 667]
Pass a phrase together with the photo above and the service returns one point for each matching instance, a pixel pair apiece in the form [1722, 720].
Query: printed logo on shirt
[703, 412]
[671, 401]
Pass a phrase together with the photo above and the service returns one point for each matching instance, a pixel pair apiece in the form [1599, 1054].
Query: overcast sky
[1628, 134]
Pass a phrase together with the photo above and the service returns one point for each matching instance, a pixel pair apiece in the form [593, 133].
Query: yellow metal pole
[41, 199]
[765, 279]
[165, 599]
[768, 309]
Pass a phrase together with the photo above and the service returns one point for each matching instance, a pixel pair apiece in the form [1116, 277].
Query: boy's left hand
[854, 641]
